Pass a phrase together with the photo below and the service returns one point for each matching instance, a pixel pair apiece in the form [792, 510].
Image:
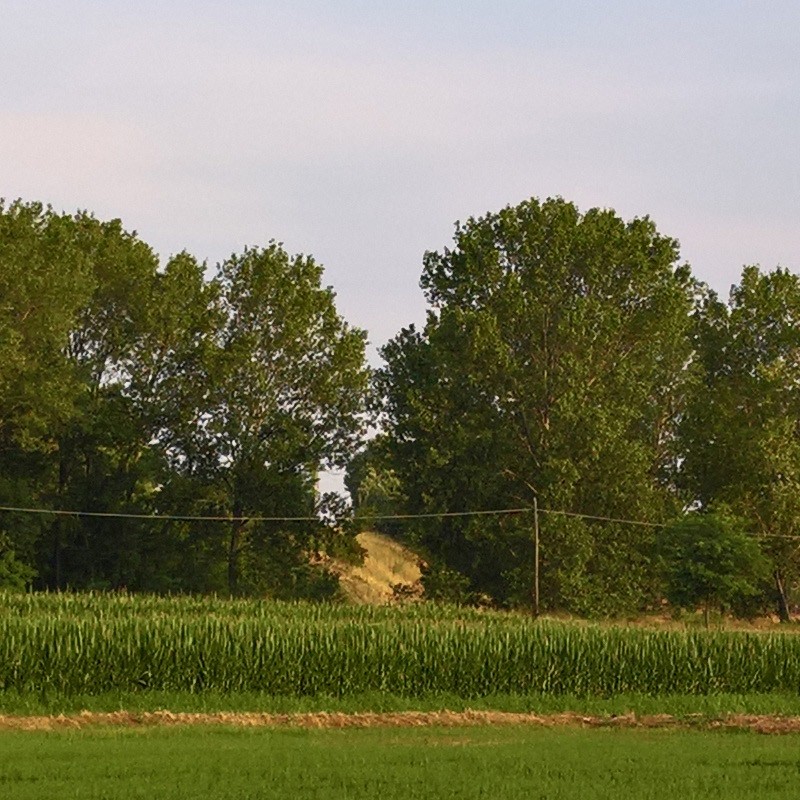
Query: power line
[602, 519]
[439, 514]
[254, 518]
[165, 517]
[364, 518]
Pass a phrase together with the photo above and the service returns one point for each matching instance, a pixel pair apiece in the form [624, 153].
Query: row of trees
[572, 358]
[566, 357]
[130, 388]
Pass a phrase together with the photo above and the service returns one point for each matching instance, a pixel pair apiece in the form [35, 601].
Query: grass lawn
[407, 763]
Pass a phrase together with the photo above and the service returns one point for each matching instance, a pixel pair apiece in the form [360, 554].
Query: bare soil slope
[387, 563]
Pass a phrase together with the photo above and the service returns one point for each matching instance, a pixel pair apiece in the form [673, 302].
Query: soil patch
[758, 723]
[387, 564]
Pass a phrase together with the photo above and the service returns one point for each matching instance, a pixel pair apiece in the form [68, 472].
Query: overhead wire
[363, 518]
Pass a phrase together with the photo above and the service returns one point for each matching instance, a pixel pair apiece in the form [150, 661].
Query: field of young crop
[93, 644]
[410, 763]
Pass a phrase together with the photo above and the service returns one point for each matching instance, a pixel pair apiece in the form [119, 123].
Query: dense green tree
[552, 365]
[45, 279]
[103, 460]
[284, 397]
[166, 387]
[741, 432]
[128, 387]
[710, 560]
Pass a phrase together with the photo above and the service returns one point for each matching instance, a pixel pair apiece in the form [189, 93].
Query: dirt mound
[387, 564]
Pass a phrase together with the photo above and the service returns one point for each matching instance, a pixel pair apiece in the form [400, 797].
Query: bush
[710, 560]
[446, 585]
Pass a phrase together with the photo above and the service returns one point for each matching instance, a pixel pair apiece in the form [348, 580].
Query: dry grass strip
[400, 719]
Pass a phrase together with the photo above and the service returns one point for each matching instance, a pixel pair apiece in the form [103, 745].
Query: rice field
[84, 644]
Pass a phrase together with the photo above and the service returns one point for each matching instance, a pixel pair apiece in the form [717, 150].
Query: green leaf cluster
[551, 365]
[710, 561]
[132, 386]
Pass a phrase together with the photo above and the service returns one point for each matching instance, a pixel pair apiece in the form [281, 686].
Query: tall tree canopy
[128, 387]
[567, 358]
[285, 391]
[552, 365]
[45, 280]
[741, 432]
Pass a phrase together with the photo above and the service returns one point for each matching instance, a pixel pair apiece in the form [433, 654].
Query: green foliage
[552, 364]
[741, 430]
[445, 585]
[711, 560]
[127, 386]
[284, 397]
[566, 357]
[14, 574]
[44, 280]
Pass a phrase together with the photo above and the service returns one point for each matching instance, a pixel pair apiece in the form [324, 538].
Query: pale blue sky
[360, 131]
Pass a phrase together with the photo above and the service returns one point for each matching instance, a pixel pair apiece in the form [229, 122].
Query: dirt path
[761, 724]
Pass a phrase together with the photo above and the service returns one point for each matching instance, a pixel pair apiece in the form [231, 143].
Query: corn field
[91, 644]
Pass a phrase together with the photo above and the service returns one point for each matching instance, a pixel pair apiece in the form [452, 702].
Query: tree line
[569, 357]
[575, 359]
[130, 388]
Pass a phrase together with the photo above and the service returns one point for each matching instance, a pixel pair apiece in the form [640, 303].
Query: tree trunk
[233, 549]
[233, 556]
[58, 524]
[55, 580]
[783, 602]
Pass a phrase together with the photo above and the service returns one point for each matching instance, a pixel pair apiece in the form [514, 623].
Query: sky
[360, 132]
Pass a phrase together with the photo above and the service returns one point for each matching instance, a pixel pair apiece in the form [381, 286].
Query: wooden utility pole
[535, 557]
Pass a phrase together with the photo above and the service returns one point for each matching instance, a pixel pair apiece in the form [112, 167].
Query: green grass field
[678, 705]
[515, 762]
[66, 653]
